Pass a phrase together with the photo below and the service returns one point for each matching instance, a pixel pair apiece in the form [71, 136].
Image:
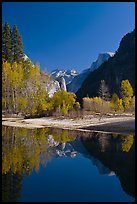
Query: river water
[54, 165]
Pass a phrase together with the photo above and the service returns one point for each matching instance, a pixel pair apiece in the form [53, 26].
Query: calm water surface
[61, 165]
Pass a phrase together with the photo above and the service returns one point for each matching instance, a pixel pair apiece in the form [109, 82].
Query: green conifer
[17, 45]
[6, 43]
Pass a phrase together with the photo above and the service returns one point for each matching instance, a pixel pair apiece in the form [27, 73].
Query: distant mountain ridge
[78, 80]
[119, 67]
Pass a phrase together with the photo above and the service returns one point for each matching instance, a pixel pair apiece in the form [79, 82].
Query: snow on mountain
[61, 149]
[79, 79]
[25, 57]
[68, 75]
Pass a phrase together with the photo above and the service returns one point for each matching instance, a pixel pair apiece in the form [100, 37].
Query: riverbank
[118, 124]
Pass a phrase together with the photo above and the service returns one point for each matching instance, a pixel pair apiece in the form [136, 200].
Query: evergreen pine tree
[6, 43]
[104, 91]
[17, 45]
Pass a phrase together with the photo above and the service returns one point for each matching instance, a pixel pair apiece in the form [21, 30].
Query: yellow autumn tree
[35, 92]
[88, 104]
[16, 84]
[133, 104]
[6, 88]
[63, 102]
[126, 91]
[97, 104]
[116, 103]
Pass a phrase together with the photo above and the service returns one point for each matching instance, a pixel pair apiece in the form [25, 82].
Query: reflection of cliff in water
[108, 149]
[81, 149]
[24, 150]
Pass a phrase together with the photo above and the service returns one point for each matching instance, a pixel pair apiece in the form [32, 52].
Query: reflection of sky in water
[67, 179]
[70, 172]
[67, 149]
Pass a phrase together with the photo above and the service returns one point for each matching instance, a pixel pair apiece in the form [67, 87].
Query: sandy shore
[119, 124]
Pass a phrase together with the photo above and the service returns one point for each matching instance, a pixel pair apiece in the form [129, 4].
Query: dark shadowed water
[60, 165]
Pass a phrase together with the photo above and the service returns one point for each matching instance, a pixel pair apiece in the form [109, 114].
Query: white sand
[87, 121]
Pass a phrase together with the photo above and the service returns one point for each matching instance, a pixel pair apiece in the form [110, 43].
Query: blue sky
[69, 35]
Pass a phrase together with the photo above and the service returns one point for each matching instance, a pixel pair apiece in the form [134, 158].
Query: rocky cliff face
[62, 83]
[119, 67]
[64, 77]
[78, 80]
[49, 83]
[52, 87]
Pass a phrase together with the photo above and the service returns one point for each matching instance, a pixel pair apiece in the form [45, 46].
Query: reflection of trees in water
[103, 142]
[63, 136]
[127, 143]
[23, 149]
[118, 155]
[11, 187]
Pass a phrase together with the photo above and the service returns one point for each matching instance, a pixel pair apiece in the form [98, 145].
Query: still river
[46, 165]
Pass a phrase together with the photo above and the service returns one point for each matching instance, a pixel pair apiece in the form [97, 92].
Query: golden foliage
[127, 143]
[24, 149]
[63, 101]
